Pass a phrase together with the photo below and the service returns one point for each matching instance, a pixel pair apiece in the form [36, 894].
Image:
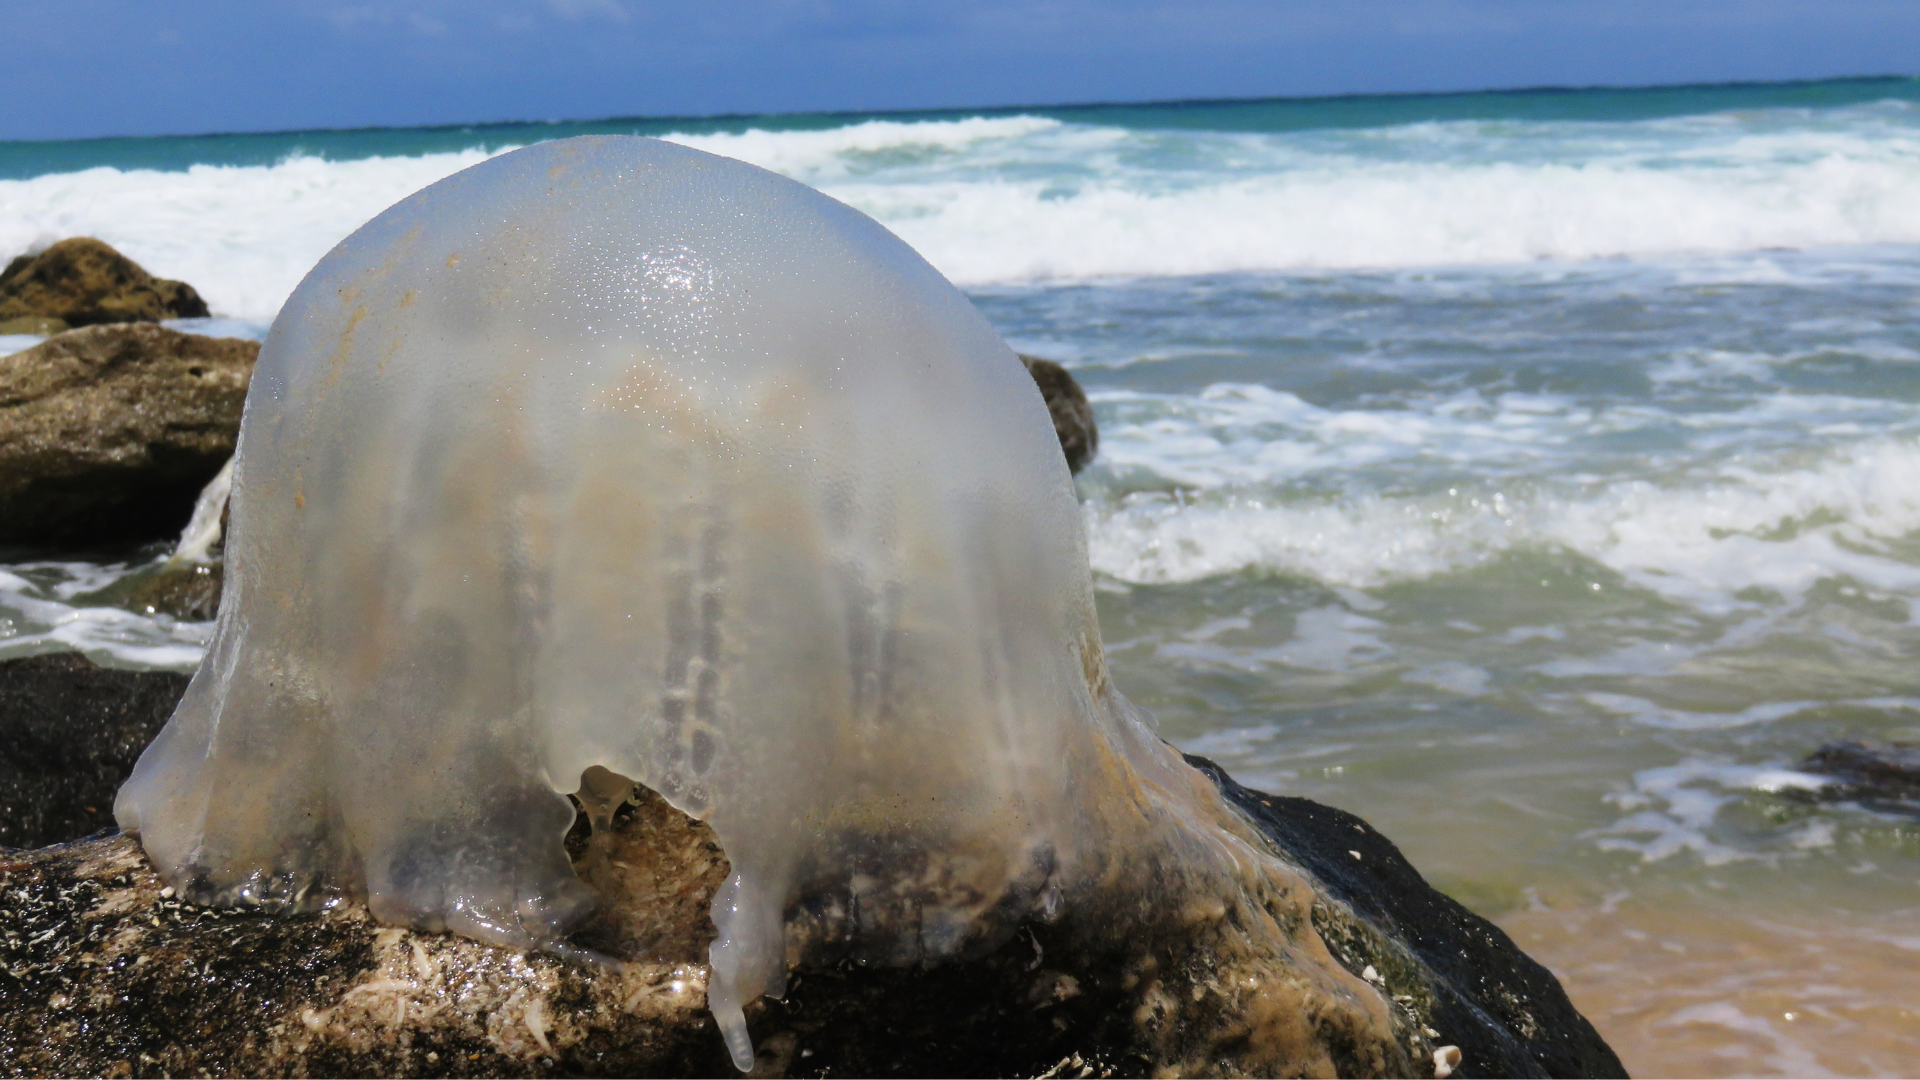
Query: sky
[85, 68]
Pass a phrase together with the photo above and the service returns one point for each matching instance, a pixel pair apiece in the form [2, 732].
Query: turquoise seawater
[1536, 474]
[1270, 115]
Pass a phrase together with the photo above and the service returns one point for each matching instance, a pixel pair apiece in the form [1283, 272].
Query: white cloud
[578, 9]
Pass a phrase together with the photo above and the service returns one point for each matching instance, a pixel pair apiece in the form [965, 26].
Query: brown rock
[108, 433]
[82, 281]
[1072, 415]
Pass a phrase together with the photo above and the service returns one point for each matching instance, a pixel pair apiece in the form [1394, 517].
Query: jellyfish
[609, 461]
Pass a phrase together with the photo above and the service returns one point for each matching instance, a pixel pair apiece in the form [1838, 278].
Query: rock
[69, 735]
[104, 972]
[33, 324]
[1072, 415]
[1506, 1013]
[176, 587]
[108, 433]
[1878, 772]
[186, 584]
[82, 281]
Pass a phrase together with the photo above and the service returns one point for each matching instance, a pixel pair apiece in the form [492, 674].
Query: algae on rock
[81, 281]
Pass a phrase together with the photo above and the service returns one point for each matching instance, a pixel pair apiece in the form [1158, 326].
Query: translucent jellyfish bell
[608, 452]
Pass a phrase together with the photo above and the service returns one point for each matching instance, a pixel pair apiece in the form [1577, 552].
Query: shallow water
[1538, 484]
[1554, 574]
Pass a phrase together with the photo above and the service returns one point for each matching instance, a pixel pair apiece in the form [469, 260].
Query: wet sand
[1698, 985]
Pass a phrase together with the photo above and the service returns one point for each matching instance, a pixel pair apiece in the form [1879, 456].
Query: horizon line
[1167, 103]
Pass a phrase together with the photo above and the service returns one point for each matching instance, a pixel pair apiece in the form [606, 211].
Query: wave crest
[1025, 198]
[1705, 542]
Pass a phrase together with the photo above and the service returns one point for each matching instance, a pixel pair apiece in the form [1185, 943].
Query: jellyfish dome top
[611, 454]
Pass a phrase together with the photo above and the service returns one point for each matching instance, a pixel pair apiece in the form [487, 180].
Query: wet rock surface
[109, 433]
[82, 281]
[103, 971]
[1884, 774]
[1506, 1013]
[182, 589]
[107, 974]
[1072, 414]
[69, 735]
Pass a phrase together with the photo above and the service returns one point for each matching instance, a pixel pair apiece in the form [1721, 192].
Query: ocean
[1535, 474]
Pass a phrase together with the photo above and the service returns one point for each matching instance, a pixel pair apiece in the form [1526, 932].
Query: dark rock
[69, 735]
[82, 281]
[1507, 1013]
[1072, 415]
[104, 972]
[33, 324]
[108, 433]
[1886, 774]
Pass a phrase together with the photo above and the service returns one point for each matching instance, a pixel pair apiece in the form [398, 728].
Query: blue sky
[91, 67]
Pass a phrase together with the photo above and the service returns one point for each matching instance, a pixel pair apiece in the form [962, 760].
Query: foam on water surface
[43, 609]
[1033, 198]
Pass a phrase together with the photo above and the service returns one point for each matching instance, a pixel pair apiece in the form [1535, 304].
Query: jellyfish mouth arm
[748, 959]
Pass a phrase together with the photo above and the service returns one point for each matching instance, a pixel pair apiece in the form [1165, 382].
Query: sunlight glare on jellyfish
[608, 452]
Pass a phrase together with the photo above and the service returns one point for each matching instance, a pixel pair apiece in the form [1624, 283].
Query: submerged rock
[109, 433]
[176, 587]
[69, 735]
[1869, 770]
[82, 281]
[107, 973]
[1072, 415]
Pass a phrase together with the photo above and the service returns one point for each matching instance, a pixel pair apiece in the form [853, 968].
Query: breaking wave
[1025, 198]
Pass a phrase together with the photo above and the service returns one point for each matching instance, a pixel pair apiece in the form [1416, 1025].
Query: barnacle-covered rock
[103, 971]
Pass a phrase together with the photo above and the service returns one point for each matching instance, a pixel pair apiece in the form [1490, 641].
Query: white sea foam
[244, 236]
[42, 610]
[1642, 711]
[1703, 539]
[1324, 639]
[822, 157]
[1024, 198]
[1673, 809]
[1237, 433]
[1451, 676]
